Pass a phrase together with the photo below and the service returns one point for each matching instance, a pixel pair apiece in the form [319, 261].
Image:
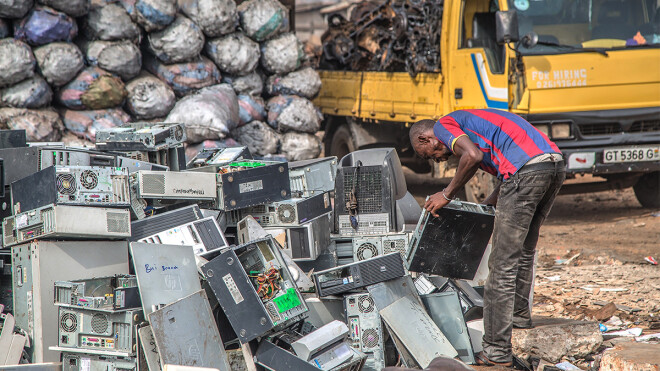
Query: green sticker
[287, 301]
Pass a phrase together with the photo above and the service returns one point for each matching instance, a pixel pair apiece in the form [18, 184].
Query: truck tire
[341, 143]
[480, 187]
[647, 190]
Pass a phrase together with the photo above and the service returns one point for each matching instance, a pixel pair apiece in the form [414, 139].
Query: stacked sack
[233, 75]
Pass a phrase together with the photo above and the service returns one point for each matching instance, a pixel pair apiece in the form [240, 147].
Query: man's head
[426, 144]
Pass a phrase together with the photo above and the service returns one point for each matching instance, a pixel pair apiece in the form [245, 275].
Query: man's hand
[435, 202]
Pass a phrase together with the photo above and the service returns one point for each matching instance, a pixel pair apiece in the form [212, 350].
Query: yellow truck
[591, 82]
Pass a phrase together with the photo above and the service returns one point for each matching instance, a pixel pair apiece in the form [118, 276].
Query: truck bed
[388, 96]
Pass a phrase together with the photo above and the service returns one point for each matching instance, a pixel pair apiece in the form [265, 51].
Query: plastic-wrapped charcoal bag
[258, 137]
[235, 54]
[59, 63]
[93, 89]
[211, 113]
[15, 8]
[123, 58]
[263, 19]
[184, 78]
[300, 146]
[44, 25]
[251, 108]
[305, 82]
[85, 124]
[282, 54]
[42, 125]
[74, 8]
[16, 62]
[152, 15]
[30, 93]
[251, 84]
[290, 112]
[193, 149]
[149, 97]
[4, 28]
[214, 17]
[181, 41]
[110, 23]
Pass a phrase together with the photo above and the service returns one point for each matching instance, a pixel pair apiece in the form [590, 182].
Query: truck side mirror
[506, 25]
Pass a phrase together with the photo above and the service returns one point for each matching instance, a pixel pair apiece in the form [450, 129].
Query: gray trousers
[524, 202]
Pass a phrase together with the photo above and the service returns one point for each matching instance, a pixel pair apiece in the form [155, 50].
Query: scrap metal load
[127, 257]
[393, 36]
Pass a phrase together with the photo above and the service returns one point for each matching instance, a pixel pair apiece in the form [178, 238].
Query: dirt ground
[608, 235]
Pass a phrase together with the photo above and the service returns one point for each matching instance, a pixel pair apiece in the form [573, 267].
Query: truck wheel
[342, 142]
[480, 187]
[647, 190]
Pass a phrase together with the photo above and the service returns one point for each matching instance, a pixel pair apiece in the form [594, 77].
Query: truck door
[478, 65]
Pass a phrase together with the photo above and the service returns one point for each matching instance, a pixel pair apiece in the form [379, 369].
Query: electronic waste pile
[129, 257]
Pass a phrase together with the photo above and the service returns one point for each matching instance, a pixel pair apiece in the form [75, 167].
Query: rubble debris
[631, 357]
[393, 36]
[553, 338]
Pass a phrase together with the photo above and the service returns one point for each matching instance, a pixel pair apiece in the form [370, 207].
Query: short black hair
[419, 128]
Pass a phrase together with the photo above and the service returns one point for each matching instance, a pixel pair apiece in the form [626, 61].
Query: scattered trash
[553, 278]
[631, 332]
[567, 366]
[648, 337]
[651, 260]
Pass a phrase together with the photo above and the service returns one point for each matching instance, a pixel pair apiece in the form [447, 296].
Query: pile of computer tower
[129, 257]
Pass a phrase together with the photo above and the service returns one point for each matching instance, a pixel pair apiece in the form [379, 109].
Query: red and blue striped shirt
[507, 140]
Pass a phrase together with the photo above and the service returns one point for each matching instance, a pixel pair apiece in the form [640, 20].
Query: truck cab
[585, 72]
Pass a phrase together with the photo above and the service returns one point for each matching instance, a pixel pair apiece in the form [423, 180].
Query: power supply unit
[255, 289]
[161, 222]
[367, 186]
[452, 244]
[366, 247]
[63, 221]
[37, 265]
[366, 329]
[360, 274]
[113, 293]
[445, 310]
[291, 212]
[84, 329]
[311, 177]
[165, 273]
[220, 156]
[72, 185]
[95, 362]
[204, 235]
[186, 334]
[249, 182]
[176, 185]
[141, 136]
[306, 241]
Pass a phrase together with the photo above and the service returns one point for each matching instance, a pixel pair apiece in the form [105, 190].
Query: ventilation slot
[370, 338]
[118, 222]
[69, 322]
[153, 184]
[368, 188]
[100, 323]
[366, 304]
[120, 188]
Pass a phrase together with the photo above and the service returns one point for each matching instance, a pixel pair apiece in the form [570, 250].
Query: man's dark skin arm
[468, 164]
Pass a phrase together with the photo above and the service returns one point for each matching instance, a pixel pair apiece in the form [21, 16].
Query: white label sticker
[250, 186]
[21, 221]
[85, 364]
[233, 289]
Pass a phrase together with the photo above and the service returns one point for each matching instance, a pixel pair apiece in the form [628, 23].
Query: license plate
[632, 154]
